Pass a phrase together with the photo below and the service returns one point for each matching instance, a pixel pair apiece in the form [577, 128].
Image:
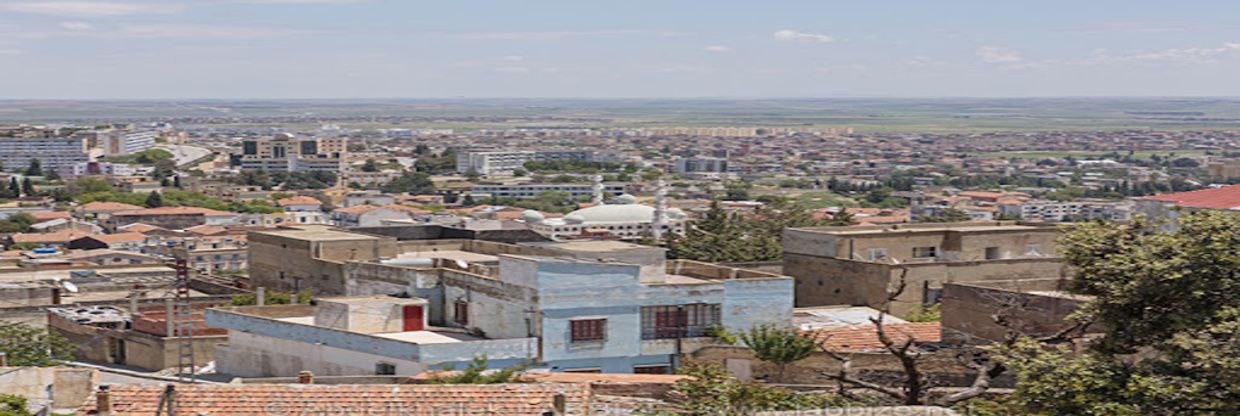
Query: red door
[413, 317]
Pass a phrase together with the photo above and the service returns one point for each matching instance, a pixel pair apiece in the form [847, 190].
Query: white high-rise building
[59, 153]
[115, 143]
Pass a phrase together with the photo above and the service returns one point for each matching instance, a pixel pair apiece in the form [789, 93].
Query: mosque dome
[626, 199]
[532, 217]
[631, 212]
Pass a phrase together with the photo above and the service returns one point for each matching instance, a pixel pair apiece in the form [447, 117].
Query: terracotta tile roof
[298, 200]
[357, 210]
[138, 227]
[1225, 197]
[173, 211]
[408, 209]
[100, 206]
[45, 238]
[41, 216]
[548, 377]
[206, 229]
[865, 338]
[127, 237]
[296, 399]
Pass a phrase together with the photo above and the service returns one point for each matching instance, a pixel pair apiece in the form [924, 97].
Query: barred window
[587, 329]
[679, 321]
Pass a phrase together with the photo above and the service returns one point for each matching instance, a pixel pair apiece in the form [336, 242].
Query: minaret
[660, 209]
[598, 190]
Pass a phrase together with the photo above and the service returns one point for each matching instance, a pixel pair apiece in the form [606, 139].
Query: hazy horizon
[386, 49]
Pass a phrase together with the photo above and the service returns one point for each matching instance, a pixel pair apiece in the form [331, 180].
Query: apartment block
[531, 190]
[120, 142]
[57, 153]
[492, 162]
[289, 153]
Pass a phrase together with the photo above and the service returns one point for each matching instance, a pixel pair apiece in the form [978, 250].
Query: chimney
[559, 404]
[103, 401]
[305, 377]
[4, 360]
[260, 296]
[169, 323]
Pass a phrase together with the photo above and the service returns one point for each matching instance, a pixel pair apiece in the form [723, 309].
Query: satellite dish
[72, 288]
[462, 264]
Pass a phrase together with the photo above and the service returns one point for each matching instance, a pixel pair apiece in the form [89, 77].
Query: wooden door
[413, 317]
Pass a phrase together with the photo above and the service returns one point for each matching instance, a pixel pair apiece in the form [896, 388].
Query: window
[587, 329]
[460, 312]
[1033, 250]
[878, 254]
[678, 321]
[993, 253]
[385, 369]
[652, 369]
[925, 252]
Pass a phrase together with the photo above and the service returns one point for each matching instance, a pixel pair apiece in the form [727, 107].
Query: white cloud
[788, 35]
[75, 26]
[86, 8]
[718, 49]
[200, 31]
[543, 35]
[997, 55]
[1171, 55]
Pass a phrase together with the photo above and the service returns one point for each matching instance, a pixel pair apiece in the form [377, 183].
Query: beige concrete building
[311, 256]
[858, 265]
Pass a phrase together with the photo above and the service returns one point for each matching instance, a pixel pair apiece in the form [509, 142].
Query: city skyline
[276, 49]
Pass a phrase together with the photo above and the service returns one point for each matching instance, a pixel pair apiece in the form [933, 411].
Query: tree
[411, 182]
[27, 187]
[945, 215]
[477, 373]
[472, 174]
[13, 405]
[778, 345]
[1170, 304]
[52, 175]
[25, 345]
[154, 200]
[15, 188]
[710, 390]
[370, 166]
[468, 200]
[17, 223]
[35, 168]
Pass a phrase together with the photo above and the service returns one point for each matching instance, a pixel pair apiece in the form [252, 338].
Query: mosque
[623, 218]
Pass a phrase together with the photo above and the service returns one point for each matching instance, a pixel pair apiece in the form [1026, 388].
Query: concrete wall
[61, 387]
[829, 281]
[968, 309]
[941, 365]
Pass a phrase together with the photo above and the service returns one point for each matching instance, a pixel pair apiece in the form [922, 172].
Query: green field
[823, 199]
[1038, 155]
[896, 115]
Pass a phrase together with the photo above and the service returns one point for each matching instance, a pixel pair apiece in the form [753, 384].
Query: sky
[235, 49]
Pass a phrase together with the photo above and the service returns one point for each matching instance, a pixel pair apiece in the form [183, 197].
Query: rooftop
[1224, 197]
[318, 233]
[865, 338]
[970, 226]
[534, 399]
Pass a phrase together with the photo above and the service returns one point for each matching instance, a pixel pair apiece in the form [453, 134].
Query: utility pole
[184, 325]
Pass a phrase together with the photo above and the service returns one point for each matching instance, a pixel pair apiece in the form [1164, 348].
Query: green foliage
[272, 298]
[924, 314]
[25, 345]
[548, 201]
[35, 168]
[570, 166]
[720, 238]
[723, 335]
[778, 345]
[945, 215]
[288, 181]
[1170, 303]
[13, 405]
[153, 200]
[477, 373]
[253, 207]
[17, 223]
[148, 157]
[370, 166]
[712, 391]
[414, 183]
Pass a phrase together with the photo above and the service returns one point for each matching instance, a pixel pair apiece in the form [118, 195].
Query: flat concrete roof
[920, 228]
[373, 300]
[318, 233]
[590, 245]
[427, 337]
[468, 256]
